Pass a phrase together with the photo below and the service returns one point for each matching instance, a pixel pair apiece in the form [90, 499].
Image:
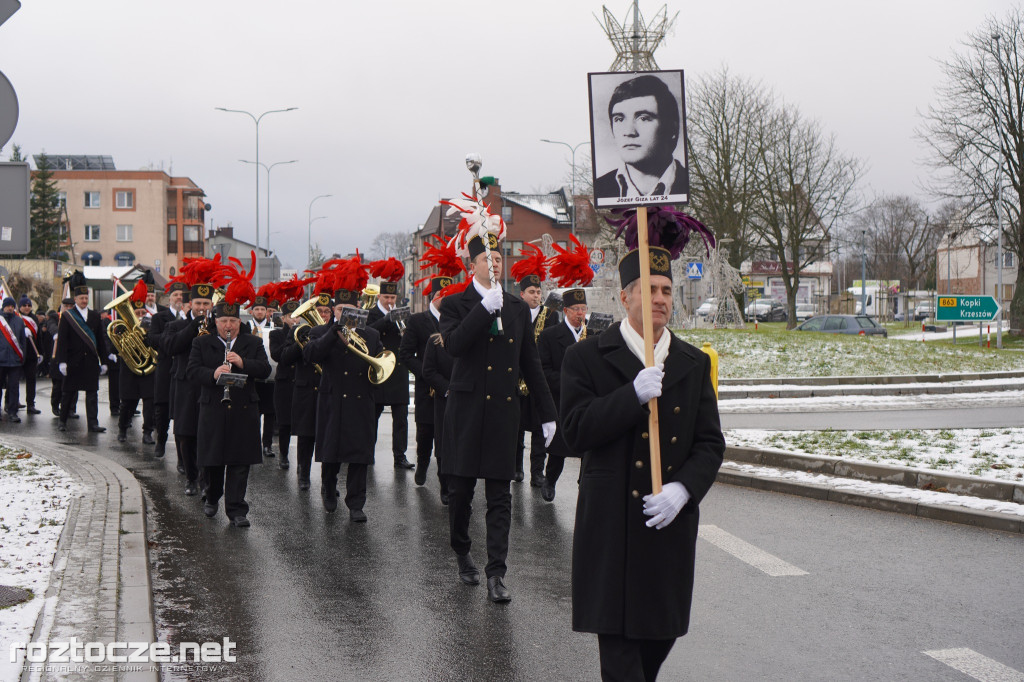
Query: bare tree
[976, 132]
[902, 239]
[724, 114]
[804, 189]
[390, 244]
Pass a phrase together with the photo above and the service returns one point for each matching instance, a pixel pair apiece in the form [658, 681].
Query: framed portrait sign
[638, 138]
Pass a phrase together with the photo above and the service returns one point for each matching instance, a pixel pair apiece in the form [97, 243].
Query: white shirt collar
[82, 311]
[575, 333]
[381, 308]
[534, 312]
[628, 189]
[435, 312]
[152, 311]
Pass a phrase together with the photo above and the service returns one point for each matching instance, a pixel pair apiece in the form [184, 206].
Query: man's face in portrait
[637, 129]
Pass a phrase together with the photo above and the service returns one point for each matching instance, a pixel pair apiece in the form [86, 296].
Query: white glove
[648, 383]
[103, 370]
[113, 358]
[549, 432]
[491, 300]
[63, 367]
[28, 333]
[664, 506]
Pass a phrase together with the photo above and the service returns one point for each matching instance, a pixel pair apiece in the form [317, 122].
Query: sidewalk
[100, 589]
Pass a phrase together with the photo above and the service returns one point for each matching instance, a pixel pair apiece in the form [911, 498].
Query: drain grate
[10, 596]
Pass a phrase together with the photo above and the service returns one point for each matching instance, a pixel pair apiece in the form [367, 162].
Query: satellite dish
[207, 207]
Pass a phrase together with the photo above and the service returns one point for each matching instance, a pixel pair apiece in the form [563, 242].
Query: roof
[553, 205]
[75, 162]
[107, 273]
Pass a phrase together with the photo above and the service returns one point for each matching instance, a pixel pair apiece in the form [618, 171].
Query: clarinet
[226, 398]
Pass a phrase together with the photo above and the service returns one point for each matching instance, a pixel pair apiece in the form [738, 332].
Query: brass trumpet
[129, 337]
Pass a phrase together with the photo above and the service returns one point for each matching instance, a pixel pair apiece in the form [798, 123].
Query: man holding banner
[12, 357]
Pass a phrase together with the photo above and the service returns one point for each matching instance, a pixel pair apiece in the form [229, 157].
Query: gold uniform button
[644, 435]
[509, 370]
[510, 340]
[675, 411]
[488, 368]
[488, 397]
[346, 373]
[674, 439]
[670, 468]
[639, 464]
[636, 493]
[490, 340]
[509, 399]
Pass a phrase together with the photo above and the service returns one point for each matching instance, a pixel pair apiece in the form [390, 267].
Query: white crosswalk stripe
[748, 553]
[971, 663]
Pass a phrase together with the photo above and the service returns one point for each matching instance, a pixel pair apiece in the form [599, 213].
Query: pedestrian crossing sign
[694, 270]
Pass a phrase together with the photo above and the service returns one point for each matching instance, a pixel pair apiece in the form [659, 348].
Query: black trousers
[304, 455]
[554, 468]
[284, 438]
[92, 412]
[355, 482]
[188, 450]
[499, 519]
[56, 388]
[124, 419]
[230, 481]
[114, 385]
[10, 381]
[536, 450]
[399, 428]
[632, 660]
[30, 382]
[161, 419]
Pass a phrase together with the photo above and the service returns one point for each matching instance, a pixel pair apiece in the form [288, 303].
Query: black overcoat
[394, 391]
[83, 358]
[346, 417]
[178, 339]
[134, 386]
[284, 377]
[305, 391]
[228, 434]
[551, 346]
[628, 579]
[437, 371]
[154, 338]
[418, 329]
[481, 422]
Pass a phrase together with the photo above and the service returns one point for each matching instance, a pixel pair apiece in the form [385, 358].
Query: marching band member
[135, 387]
[33, 352]
[345, 412]
[228, 432]
[394, 392]
[162, 383]
[81, 355]
[482, 414]
[633, 551]
[261, 326]
[284, 378]
[569, 268]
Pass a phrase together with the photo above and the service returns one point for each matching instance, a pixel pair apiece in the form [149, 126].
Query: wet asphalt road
[309, 595]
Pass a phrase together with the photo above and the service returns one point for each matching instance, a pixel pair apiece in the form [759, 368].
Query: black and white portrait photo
[638, 138]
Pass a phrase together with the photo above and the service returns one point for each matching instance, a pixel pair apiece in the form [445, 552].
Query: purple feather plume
[666, 227]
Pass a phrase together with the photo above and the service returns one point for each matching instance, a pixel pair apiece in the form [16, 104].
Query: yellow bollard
[713, 354]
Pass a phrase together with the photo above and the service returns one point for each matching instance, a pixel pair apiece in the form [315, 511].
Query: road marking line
[746, 552]
[970, 662]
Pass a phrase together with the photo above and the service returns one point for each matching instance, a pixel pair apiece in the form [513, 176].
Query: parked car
[924, 310]
[766, 310]
[707, 308]
[861, 325]
[805, 311]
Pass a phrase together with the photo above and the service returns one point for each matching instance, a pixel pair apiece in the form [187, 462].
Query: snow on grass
[989, 453]
[34, 499]
[774, 352]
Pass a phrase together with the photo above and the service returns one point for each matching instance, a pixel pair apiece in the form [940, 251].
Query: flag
[4, 291]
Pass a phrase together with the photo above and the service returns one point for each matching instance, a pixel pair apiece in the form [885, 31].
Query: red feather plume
[531, 264]
[238, 281]
[201, 270]
[456, 288]
[140, 292]
[442, 256]
[571, 268]
[292, 289]
[389, 270]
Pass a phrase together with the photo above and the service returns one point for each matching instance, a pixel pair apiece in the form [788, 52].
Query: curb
[726, 393]
[876, 473]
[109, 519]
[879, 379]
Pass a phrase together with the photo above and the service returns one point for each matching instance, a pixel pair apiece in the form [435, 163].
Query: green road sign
[966, 309]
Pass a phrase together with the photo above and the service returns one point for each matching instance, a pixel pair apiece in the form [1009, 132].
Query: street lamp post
[268, 169]
[572, 199]
[256, 120]
[309, 231]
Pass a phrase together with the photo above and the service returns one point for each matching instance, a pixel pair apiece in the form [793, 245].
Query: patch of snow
[842, 403]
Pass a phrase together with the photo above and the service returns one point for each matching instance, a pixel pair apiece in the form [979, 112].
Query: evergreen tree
[45, 214]
[16, 153]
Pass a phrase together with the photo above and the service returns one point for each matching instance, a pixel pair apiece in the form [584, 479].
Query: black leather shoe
[444, 498]
[548, 492]
[209, 509]
[284, 463]
[191, 489]
[74, 415]
[160, 449]
[468, 572]
[32, 410]
[122, 435]
[330, 499]
[496, 590]
[63, 426]
[421, 474]
[537, 481]
[55, 410]
[240, 522]
[147, 438]
[357, 515]
[403, 463]
[181, 470]
[113, 413]
[268, 451]
[519, 477]
[13, 418]
[96, 428]
[304, 482]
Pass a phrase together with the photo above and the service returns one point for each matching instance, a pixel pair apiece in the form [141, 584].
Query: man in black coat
[178, 341]
[530, 292]
[634, 551]
[12, 358]
[113, 369]
[136, 387]
[162, 385]
[411, 351]
[33, 352]
[551, 345]
[482, 416]
[81, 355]
[260, 327]
[228, 432]
[56, 378]
[395, 391]
[284, 380]
[437, 372]
[345, 426]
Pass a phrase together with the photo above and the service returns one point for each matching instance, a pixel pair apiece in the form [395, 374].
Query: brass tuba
[368, 298]
[311, 318]
[129, 338]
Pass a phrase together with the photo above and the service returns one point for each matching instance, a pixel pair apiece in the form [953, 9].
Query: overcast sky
[392, 95]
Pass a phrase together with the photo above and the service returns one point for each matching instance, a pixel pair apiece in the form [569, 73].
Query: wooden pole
[645, 293]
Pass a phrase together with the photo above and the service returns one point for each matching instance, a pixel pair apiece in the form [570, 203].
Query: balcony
[172, 213]
[193, 248]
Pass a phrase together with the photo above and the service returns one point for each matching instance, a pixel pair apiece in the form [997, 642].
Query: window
[125, 258]
[834, 323]
[1007, 259]
[172, 233]
[91, 258]
[191, 233]
[506, 213]
[514, 249]
[124, 233]
[124, 199]
[92, 199]
[92, 233]
[813, 324]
